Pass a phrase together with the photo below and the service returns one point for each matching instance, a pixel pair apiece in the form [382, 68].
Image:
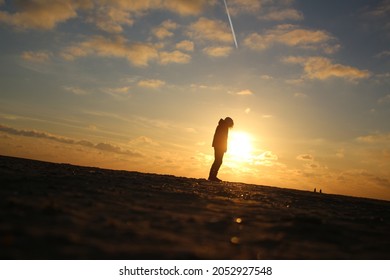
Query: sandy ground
[61, 211]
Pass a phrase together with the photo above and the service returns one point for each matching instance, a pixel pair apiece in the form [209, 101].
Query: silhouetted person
[220, 146]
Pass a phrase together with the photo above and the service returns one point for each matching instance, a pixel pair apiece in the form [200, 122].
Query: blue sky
[141, 85]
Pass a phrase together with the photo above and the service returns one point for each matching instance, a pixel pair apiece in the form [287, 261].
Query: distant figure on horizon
[220, 146]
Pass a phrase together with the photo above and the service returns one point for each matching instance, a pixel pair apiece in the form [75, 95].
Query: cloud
[210, 30]
[382, 10]
[244, 6]
[245, 92]
[340, 153]
[185, 8]
[143, 140]
[107, 15]
[185, 45]
[266, 77]
[36, 134]
[118, 92]
[44, 135]
[113, 15]
[292, 36]
[218, 51]
[383, 54]
[139, 54]
[267, 158]
[322, 68]
[300, 95]
[284, 14]
[39, 57]
[110, 18]
[305, 157]
[174, 57]
[164, 30]
[379, 15]
[257, 42]
[385, 99]
[357, 176]
[207, 87]
[375, 138]
[312, 165]
[269, 155]
[40, 14]
[76, 90]
[151, 83]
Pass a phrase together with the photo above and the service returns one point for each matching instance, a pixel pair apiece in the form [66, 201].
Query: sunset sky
[141, 85]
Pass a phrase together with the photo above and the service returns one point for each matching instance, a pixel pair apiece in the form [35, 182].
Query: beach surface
[62, 211]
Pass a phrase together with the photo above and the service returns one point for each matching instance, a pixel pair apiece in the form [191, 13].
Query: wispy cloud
[164, 29]
[300, 95]
[383, 54]
[244, 92]
[379, 15]
[282, 15]
[113, 15]
[220, 51]
[384, 99]
[207, 87]
[323, 68]
[151, 83]
[294, 36]
[305, 157]
[76, 90]
[143, 140]
[381, 10]
[244, 6]
[108, 15]
[266, 77]
[43, 14]
[110, 18]
[360, 175]
[39, 57]
[267, 158]
[139, 54]
[184, 8]
[174, 57]
[108, 147]
[118, 92]
[210, 30]
[185, 45]
[375, 138]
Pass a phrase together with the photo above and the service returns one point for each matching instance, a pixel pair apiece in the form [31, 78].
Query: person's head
[229, 122]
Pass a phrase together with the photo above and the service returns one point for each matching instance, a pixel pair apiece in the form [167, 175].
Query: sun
[240, 146]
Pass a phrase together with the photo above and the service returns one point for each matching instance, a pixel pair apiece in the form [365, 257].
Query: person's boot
[213, 176]
[215, 179]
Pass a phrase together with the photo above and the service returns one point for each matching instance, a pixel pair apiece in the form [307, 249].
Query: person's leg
[218, 157]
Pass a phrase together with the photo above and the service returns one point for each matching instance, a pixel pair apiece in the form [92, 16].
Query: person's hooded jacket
[221, 135]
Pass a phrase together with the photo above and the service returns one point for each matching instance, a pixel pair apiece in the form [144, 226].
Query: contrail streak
[231, 24]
